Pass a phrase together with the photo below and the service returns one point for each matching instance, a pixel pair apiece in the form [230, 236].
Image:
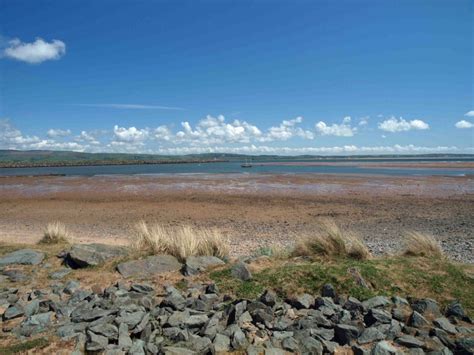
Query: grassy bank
[439, 279]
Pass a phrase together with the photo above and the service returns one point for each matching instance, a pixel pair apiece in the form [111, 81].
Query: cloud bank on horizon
[217, 135]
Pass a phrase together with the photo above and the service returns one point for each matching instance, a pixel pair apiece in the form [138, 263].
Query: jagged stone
[410, 341]
[445, 324]
[345, 334]
[241, 271]
[196, 264]
[148, 267]
[23, 257]
[304, 300]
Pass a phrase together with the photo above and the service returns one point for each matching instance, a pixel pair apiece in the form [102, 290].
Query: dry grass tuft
[180, 242]
[56, 233]
[330, 241]
[420, 244]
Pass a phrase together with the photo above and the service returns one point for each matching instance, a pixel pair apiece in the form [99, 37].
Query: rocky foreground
[137, 317]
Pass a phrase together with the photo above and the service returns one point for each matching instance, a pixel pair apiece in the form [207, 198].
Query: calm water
[234, 167]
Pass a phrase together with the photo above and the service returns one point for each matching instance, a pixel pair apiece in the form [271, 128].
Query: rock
[304, 300]
[150, 266]
[36, 324]
[221, 343]
[172, 350]
[444, 324]
[312, 346]
[13, 312]
[465, 346]
[241, 272]
[455, 309]
[269, 298]
[375, 302]
[84, 255]
[328, 291]
[384, 348]
[426, 306]
[16, 275]
[107, 330]
[196, 264]
[142, 288]
[137, 347]
[57, 275]
[377, 316]
[290, 344]
[370, 335]
[96, 342]
[353, 304]
[345, 334]
[358, 279]
[124, 340]
[359, 350]
[417, 320]
[23, 256]
[31, 308]
[274, 351]
[173, 299]
[196, 321]
[71, 287]
[239, 341]
[410, 341]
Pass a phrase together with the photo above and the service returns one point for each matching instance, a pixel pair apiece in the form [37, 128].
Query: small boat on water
[246, 164]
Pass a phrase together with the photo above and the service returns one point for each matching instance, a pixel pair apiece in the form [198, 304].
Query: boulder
[196, 264]
[410, 341]
[426, 307]
[221, 343]
[150, 266]
[304, 300]
[84, 255]
[345, 334]
[328, 291]
[16, 275]
[445, 324]
[241, 272]
[384, 348]
[23, 257]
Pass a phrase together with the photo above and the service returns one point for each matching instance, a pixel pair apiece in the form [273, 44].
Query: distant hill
[32, 158]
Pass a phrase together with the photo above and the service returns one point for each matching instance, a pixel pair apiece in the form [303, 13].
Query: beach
[252, 210]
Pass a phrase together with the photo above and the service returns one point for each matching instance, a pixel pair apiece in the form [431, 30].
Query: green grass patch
[402, 276]
[38, 343]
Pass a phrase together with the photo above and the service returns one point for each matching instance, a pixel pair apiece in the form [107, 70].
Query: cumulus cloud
[215, 130]
[35, 52]
[340, 130]
[130, 135]
[364, 121]
[53, 133]
[286, 130]
[87, 137]
[469, 114]
[399, 125]
[163, 133]
[12, 138]
[464, 124]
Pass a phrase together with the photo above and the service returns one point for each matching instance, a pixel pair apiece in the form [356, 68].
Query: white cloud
[469, 114]
[464, 124]
[363, 121]
[35, 52]
[132, 106]
[215, 130]
[12, 138]
[87, 137]
[130, 135]
[53, 133]
[399, 125]
[340, 130]
[286, 130]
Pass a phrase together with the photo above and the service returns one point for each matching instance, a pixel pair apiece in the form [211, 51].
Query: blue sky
[285, 77]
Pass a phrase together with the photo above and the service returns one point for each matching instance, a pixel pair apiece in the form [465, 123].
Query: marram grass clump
[331, 242]
[56, 233]
[420, 244]
[181, 242]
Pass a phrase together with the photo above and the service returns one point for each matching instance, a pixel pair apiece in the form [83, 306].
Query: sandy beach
[253, 211]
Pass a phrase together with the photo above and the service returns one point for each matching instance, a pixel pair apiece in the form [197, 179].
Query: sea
[351, 166]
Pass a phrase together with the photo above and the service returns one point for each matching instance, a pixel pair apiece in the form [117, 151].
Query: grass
[24, 346]
[331, 242]
[420, 244]
[414, 276]
[56, 233]
[181, 242]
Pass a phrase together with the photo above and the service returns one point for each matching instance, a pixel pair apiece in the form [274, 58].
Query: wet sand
[252, 210]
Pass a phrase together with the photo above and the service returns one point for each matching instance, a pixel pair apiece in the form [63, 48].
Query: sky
[253, 77]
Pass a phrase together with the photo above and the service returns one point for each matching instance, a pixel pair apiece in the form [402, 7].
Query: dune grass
[420, 244]
[181, 242]
[330, 241]
[56, 233]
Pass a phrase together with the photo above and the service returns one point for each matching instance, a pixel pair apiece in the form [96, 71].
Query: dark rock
[23, 256]
[269, 298]
[196, 264]
[212, 288]
[304, 300]
[196, 321]
[353, 304]
[455, 309]
[142, 288]
[173, 299]
[417, 320]
[370, 335]
[444, 324]
[241, 272]
[84, 255]
[465, 346]
[378, 316]
[410, 341]
[345, 334]
[384, 348]
[359, 350]
[426, 306]
[150, 266]
[328, 291]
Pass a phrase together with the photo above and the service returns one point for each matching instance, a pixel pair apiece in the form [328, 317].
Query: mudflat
[252, 210]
